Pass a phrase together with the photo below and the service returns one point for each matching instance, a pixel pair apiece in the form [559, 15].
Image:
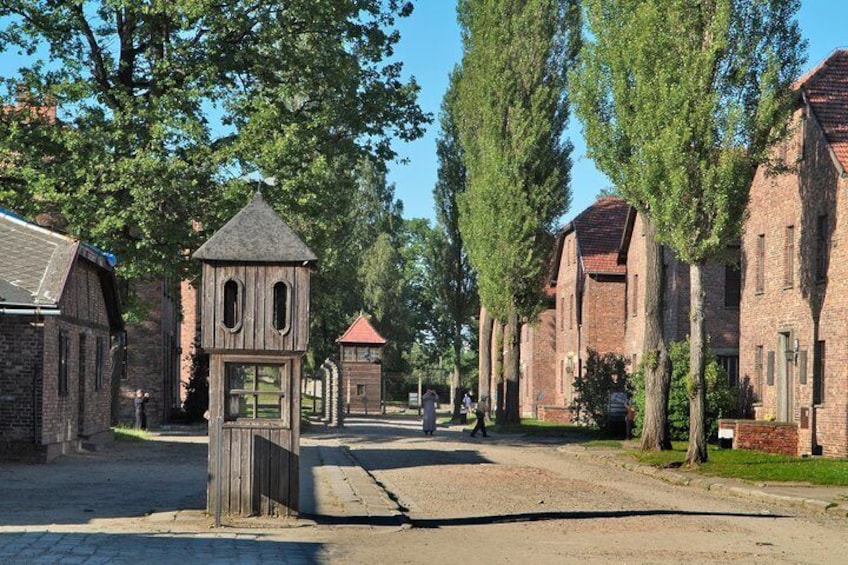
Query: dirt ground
[495, 500]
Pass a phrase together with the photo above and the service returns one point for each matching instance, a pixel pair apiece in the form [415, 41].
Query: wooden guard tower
[255, 327]
[362, 377]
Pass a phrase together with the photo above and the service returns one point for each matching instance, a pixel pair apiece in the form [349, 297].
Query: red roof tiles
[598, 230]
[361, 331]
[826, 90]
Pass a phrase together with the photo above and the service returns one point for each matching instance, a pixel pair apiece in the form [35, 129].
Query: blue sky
[430, 46]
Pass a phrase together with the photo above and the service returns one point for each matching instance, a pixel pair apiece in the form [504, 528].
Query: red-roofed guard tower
[361, 349]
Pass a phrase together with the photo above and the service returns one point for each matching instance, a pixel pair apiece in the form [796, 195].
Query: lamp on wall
[792, 354]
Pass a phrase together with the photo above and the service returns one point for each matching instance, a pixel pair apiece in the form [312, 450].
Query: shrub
[604, 375]
[720, 396]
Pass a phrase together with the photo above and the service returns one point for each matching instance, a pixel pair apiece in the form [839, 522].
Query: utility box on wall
[255, 328]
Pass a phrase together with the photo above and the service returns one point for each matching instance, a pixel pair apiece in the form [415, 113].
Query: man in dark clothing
[141, 399]
[480, 413]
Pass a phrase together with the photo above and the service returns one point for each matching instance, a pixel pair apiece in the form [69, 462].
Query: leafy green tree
[456, 288]
[604, 375]
[685, 98]
[164, 107]
[721, 401]
[512, 111]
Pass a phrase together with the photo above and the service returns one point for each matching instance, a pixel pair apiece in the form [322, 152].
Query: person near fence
[480, 413]
[428, 403]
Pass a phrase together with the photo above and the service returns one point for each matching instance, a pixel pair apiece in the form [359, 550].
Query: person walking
[428, 402]
[480, 413]
[141, 398]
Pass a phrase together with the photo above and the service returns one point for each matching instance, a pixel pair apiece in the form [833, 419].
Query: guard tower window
[232, 312]
[256, 392]
[281, 307]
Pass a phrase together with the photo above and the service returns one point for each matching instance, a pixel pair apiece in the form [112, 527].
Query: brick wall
[189, 332]
[791, 309]
[538, 362]
[567, 343]
[559, 414]
[152, 359]
[36, 421]
[603, 309]
[768, 437]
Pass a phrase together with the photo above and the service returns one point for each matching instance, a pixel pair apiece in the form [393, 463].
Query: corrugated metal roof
[256, 234]
[361, 331]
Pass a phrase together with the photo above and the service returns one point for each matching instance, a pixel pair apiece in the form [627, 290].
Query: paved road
[379, 491]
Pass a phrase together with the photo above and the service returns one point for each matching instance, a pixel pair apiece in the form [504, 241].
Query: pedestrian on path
[465, 408]
[141, 398]
[480, 413]
[428, 402]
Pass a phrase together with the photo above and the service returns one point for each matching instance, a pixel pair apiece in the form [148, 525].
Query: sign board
[413, 400]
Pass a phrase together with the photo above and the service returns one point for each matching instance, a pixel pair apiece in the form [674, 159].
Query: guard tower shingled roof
[256, 234]
[362, 332]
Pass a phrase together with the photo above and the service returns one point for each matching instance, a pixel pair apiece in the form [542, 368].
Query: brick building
[153, 355]
[722, 286]
[59, 311]
[588, 293]
[794, 309]
[362, 381]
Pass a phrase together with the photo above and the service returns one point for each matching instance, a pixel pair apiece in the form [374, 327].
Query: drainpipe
[30, 311]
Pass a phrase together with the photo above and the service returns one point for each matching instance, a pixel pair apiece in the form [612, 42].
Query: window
[821, 247]
[99, 355]
[81, 362]
[761, 262]
[758, 373]
[232, 305]
[360, 390]
[732, 286]
[256, 391]
[562, 315]
[571, 312]
[348, 353]
[788, 257]
[64, 352]
[730, 364]
[819, 373]
[635, 294]
[281, 307]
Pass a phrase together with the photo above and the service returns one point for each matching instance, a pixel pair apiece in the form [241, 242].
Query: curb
[709, 484]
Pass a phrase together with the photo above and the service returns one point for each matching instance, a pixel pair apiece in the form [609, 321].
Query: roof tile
[598, 230]
[361, 331]
[826, 89]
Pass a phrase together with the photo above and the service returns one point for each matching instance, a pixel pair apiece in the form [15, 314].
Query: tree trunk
[484, 362]
[656, 362]
[697, 452]
[456, 374]
[511, 362]
[496, 386]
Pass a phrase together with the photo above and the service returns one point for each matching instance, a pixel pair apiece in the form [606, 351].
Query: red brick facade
[722, 311]
[152, 356]
[795, 251]
[538, 363]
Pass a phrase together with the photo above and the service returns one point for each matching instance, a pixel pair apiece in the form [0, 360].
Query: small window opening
[231, 304]
[281, 307]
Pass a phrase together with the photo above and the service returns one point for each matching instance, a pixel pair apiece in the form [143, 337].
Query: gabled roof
[825, 88]
[255, 234]
[361, 331]
[36, 264]
[598, 230]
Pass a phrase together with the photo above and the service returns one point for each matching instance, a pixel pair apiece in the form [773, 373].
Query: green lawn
[130, 435]
[756, 466]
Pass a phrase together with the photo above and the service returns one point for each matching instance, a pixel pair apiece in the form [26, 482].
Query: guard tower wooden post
[255, 327]
[361, 352]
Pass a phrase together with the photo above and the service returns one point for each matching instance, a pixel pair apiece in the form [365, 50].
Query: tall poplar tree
[681, 100]
[456, 285]
[513, 111]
